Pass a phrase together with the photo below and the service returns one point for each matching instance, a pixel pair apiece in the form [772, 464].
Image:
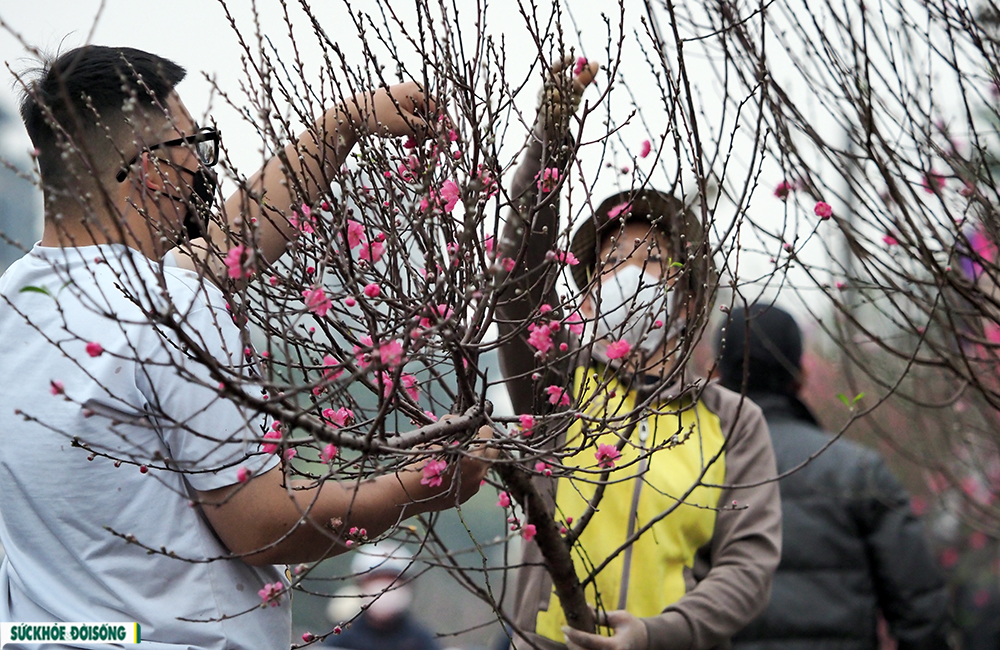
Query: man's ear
[151, 176]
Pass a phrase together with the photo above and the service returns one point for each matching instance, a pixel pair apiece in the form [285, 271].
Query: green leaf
[36, 290]
[857, 398]
[843, 398]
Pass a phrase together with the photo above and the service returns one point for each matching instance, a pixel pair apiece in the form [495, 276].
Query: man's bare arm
[250, 519]
[306, 167]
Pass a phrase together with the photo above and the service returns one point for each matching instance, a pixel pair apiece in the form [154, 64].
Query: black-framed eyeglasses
[204, 143]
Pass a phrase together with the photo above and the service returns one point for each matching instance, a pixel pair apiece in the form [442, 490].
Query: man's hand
[470, 472]
[630, 634]
[399, 110]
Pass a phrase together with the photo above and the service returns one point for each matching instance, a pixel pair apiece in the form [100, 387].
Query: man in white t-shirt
[132, 489]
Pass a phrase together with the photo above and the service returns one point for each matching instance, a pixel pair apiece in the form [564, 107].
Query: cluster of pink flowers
[575, 323]
[540, 336]
[332, 369]
[410, 384]
[361, 353]
[445, 198]
[565, 257]
[823, 210]
[273, 434]
[369, 251]
[305, 223]
[618, 349]
[390, 353]
[504, 500]
[527, 424]
[543, 468]
[317, 301]
[432, 472]
[557, 395]
[528, 532]
[329, 453]
[783, 189]
[606, 456]
[239, 263]
[340, 417]
[439, 313]
[489, 185]
[547, 179]
[271, 594]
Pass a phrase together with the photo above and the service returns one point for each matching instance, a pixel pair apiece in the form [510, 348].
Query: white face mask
[628, 306]
[387, 599]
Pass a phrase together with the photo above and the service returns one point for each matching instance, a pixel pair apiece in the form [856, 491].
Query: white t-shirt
[63, 515]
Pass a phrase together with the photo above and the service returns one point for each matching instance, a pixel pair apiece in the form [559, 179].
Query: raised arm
[305, 168]
[529, 234]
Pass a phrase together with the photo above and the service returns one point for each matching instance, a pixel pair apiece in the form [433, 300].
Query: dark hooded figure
[852, 547]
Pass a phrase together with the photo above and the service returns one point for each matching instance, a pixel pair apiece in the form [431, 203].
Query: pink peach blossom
[450, 194]
[409, 383]
[371, 252]
[238, 263]
[566, 257]
[390, 353]
[432, 472]
[271, 594]
[557, 395]
[269, 447]
[332, 369]
[618, 349]
[355, 234]
[317, 301]
[783, 189]
[606, 456]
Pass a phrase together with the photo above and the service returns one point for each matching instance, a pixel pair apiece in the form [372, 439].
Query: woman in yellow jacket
[680, 551]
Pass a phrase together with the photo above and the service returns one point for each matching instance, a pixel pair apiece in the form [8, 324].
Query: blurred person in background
[852, 546]
[385, 598]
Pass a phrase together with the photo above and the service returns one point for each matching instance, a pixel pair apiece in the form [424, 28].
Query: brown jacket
[728, 580]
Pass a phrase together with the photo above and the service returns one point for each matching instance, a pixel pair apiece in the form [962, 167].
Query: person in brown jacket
[681, 550]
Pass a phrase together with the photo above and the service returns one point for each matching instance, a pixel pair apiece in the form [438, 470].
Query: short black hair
[83, 92]
[765, 340]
